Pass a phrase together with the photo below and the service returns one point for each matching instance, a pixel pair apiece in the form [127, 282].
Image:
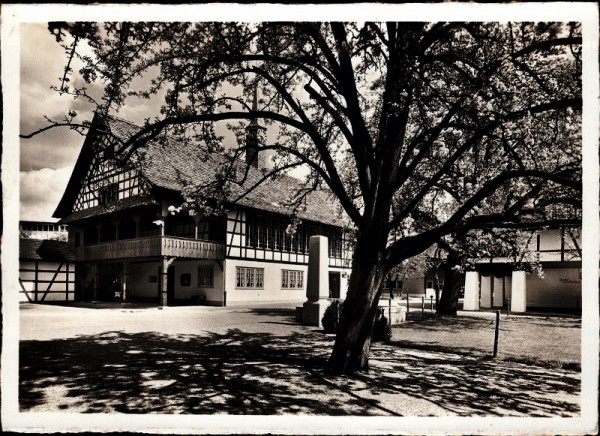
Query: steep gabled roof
[175, 164]
[48, 250]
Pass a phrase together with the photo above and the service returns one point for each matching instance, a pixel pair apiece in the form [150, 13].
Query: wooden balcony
[152, 246]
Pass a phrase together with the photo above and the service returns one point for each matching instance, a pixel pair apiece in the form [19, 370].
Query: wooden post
[422, 307]
[124, 281]
[35, 283]
[95, 282]
[431, 303]
[508, 308]
[164, 281]
[496, 333]
[407, 304]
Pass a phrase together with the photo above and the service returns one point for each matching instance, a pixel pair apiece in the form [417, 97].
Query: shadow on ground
[259, 373]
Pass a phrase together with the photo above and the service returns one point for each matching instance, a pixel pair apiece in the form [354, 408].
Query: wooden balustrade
[152, 246]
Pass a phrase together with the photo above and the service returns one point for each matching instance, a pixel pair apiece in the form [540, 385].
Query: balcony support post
[124, 281]
[95, 282]
[164, 279]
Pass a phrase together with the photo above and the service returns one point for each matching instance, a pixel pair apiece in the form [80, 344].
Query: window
[276, 235]
[335, 242]
[205, 277]
[108, 194]
[251, 235]
[291, 279]
[249, 278]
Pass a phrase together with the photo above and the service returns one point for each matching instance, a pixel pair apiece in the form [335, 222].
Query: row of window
[38, 227]
[271, 234]
[252, 278]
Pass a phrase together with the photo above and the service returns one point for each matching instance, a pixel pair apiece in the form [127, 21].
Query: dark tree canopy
[420, 130]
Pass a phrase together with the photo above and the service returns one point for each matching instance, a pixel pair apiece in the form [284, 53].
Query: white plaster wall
[138, 281]
[57, 291]
[560, 288]
[272, 291]
[213, 295]
[550, 240]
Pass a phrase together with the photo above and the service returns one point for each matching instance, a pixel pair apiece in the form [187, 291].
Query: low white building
[495, 283]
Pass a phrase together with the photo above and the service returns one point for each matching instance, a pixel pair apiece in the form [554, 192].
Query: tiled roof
[173, 165]
[48, 250]
[124, 204]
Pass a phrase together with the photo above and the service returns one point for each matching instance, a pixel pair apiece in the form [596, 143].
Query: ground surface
[202, 360]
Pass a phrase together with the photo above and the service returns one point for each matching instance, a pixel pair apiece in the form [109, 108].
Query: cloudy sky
[47, 159]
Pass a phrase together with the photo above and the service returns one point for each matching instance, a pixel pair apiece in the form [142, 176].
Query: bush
[382, 330]
[331, 317]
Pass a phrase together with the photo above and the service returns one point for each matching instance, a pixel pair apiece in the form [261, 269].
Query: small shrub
[382, 330]
[331, 317]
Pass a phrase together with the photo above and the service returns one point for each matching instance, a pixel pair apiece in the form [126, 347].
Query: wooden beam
[25, 290]
[52, 281]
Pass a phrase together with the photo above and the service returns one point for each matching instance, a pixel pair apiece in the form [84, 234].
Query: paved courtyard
[250, 361]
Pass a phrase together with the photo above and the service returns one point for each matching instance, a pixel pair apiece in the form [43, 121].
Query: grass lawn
[546, 341]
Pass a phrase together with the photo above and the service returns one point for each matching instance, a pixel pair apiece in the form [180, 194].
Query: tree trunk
[452, 285]
[353, 340]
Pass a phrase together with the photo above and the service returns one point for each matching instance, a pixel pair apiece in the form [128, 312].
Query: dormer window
[108, 194]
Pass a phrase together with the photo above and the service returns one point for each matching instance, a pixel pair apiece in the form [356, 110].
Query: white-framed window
[292, 279]
[205, 276]
[249, 278]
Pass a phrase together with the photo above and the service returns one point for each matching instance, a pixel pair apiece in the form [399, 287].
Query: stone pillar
[498, 291]
[518, 299]
[486, 292]
[164, 269]
[317, 282]
[471, 299]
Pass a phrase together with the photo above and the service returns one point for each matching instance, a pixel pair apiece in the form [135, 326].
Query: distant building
[46, 271]
[43, 230]
[495, 282]
[490, 283]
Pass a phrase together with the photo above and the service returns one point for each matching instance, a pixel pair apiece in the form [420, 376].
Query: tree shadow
[474, 385]
[259, 373]
[233, 373]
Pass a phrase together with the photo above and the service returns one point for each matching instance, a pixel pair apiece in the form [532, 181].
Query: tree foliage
[420, 130]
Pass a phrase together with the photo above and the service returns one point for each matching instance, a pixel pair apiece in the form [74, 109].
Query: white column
[471, 299]
[317, 281]
[486, 292]
[498, 291]
[518, 299]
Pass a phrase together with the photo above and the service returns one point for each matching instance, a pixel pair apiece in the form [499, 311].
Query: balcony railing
[152, 246]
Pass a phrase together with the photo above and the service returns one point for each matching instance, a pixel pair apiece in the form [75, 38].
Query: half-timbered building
[47, 270]
[133, 240]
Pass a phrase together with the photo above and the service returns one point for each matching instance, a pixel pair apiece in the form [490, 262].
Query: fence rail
[152, 246]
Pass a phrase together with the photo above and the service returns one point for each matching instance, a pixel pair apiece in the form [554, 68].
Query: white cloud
[41, 190]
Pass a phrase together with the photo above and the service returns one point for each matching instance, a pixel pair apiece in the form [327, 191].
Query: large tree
[420, 130]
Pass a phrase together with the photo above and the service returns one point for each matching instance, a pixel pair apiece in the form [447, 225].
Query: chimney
[252, 135]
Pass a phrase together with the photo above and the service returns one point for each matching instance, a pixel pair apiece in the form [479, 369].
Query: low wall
[393, 310]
